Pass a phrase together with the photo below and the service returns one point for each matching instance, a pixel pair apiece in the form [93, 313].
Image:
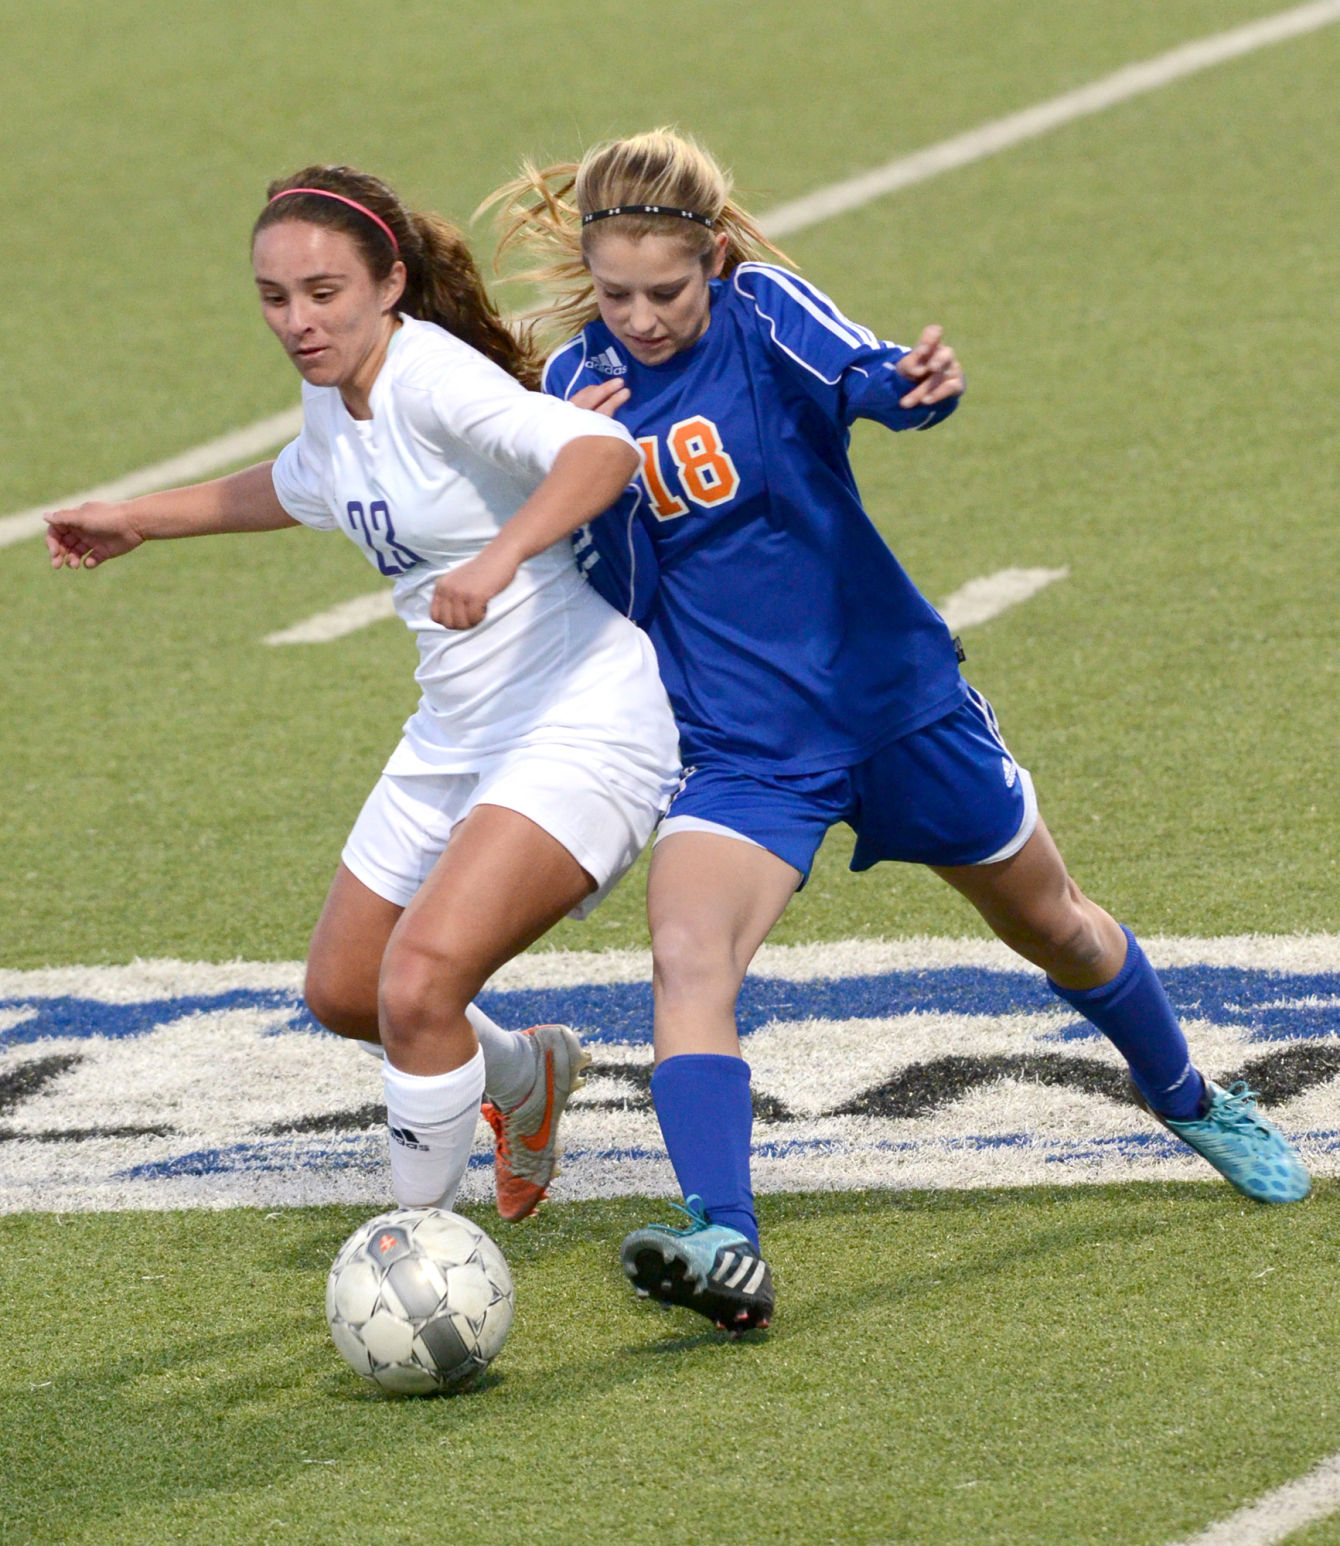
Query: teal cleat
[1247, 1149]
[708, 1268]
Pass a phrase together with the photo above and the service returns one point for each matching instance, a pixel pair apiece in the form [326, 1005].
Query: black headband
[649, 209]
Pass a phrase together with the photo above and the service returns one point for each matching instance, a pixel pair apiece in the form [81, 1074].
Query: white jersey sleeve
[478, 406]
[301, 475]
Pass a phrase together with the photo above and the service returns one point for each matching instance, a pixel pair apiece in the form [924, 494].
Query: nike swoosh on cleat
[537, 1144]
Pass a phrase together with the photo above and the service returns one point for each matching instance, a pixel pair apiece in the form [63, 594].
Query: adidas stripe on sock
[431, 1121]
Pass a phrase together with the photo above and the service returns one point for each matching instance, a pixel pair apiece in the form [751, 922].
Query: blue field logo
[204, 1087]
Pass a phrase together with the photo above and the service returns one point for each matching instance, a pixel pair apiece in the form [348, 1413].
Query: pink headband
[325, 193]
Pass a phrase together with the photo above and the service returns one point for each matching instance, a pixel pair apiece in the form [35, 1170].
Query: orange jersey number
[665, 505]
[706, 473]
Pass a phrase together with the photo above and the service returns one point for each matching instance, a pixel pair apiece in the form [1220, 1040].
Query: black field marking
[1291, 1071]
[637, 1076]
[926, 1087]
[767, 1108]
[84, 1134]
[28, 1079]
[357, 1121]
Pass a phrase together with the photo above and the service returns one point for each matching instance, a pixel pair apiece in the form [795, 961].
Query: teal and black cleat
[1244, 1146]
[707, 1267]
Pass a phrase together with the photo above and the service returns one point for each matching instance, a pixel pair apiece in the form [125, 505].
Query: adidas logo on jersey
[608, 363]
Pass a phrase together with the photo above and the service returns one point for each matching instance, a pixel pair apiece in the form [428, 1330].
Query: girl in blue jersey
[811, 682]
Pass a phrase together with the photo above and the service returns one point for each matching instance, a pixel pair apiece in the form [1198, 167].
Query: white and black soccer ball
[419, 1300]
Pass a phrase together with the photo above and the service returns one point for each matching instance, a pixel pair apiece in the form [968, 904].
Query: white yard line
[347, 617]
[838, 198]
[190, 467]
[1133, 80]
[1279, 1514]
[988, 596]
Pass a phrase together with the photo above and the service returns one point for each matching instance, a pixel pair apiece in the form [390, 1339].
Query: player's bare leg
[1098, 967]
[499, 885]
[344, 964]
[344, 959]
[711, 902]
[1031, 902]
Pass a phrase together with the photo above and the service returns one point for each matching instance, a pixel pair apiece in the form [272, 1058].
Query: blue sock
[702, 1103]
[1133, 1012]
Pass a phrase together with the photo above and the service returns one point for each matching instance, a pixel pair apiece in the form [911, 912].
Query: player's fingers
[616, 399]
[603, 397]
[929, 342]
[917, 363]
[934, 389]
[461, 612]
[949, 385]
[69, 550]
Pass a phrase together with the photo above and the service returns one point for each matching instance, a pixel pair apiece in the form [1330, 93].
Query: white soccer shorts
[602, 812]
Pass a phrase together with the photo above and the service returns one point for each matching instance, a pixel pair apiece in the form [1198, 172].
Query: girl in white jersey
[543, 748]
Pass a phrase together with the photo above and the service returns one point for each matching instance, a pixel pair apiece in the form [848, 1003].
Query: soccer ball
[419, 1300]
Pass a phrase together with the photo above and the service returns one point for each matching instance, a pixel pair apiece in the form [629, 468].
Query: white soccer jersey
[453, 448]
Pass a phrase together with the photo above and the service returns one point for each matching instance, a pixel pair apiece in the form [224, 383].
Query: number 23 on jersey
[702, 467]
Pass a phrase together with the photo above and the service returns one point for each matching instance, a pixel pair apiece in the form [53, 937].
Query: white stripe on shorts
[1030, 820]
[1026, 826]
[673, 824]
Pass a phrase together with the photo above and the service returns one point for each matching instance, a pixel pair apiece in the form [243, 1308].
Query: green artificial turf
[1069, 1365]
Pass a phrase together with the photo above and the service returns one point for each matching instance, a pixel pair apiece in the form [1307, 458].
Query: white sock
[510, 1060]
[431, 1119]
[373, 1049]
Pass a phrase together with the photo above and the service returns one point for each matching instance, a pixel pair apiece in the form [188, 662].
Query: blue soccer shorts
[949, 793]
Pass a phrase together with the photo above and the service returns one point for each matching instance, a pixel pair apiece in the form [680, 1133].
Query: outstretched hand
[935, 369]
[89, 535]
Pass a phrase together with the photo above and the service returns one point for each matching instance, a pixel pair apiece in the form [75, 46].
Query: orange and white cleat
[525, 1152]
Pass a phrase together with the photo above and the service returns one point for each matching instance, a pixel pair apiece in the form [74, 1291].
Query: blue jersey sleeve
[613, 552]
[848, 372]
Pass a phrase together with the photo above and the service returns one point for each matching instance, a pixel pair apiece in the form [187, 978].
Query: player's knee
[421, 986]
[691, 960]
[342, 1006]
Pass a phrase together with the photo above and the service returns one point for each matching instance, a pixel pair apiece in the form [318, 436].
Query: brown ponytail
[442, 284]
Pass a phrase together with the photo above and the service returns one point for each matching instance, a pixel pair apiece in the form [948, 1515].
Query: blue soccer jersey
[789, 637]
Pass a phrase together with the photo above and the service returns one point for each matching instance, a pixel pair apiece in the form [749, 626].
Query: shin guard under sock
[706, 1116]
[510, 1061]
